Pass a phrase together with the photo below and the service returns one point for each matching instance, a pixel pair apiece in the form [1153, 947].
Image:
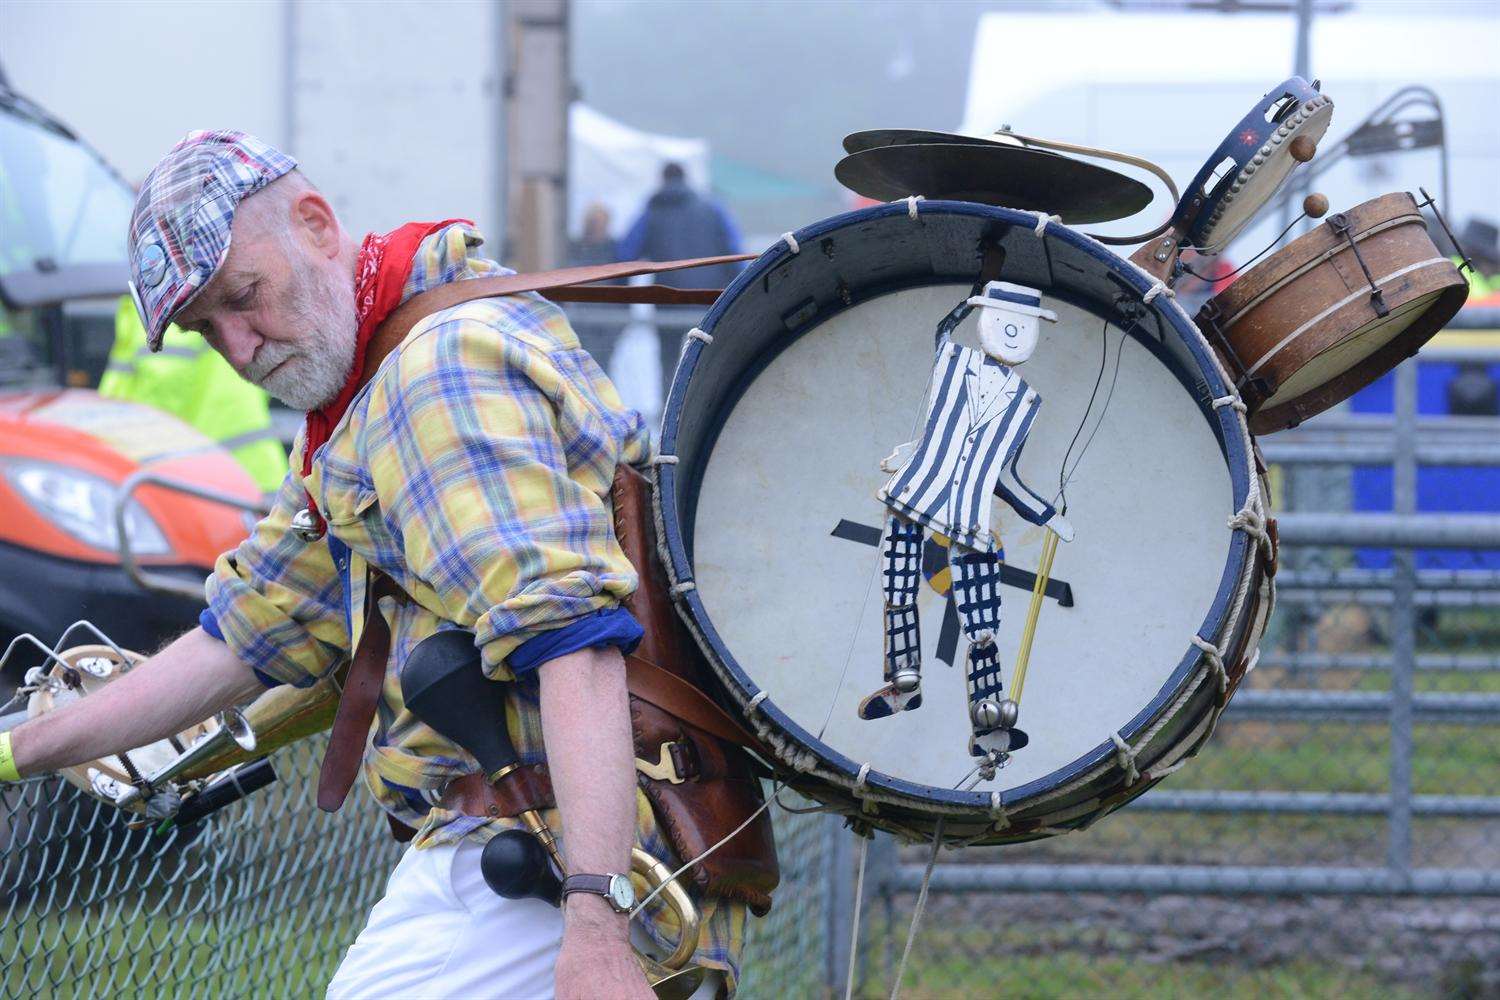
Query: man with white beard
[468, 465]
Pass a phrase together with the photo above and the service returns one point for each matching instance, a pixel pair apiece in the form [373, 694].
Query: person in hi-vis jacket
[979, 411]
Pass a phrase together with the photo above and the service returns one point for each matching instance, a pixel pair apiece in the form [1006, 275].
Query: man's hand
[185, 683]
[597, 960]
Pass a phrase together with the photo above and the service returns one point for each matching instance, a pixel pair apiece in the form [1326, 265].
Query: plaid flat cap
[179, 231]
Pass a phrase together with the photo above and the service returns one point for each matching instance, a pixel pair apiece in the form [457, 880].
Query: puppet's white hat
[1016, 298]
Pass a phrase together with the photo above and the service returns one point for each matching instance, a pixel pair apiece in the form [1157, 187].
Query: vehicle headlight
[83, 505]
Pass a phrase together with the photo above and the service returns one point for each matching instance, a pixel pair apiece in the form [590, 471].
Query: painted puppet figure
[979, 411]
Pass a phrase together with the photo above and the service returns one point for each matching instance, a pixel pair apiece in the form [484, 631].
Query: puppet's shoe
[998, 741]
[889, 701]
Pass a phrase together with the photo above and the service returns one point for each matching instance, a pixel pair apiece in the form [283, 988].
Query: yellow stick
[1043, 571]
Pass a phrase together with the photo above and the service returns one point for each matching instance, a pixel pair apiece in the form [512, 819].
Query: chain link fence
[263, 898]
[260, 900]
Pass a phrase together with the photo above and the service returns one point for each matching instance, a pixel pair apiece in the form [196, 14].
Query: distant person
[1472, 392]
[595, 246]
[679, 223]
[193, 382]
[1480, 239]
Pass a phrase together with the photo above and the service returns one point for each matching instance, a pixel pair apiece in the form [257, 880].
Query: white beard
[317, 365]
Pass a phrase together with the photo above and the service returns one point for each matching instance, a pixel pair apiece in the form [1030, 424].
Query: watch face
[621, 892]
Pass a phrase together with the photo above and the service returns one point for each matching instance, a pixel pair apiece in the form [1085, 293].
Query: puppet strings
[1064, 471]
[1108, 397]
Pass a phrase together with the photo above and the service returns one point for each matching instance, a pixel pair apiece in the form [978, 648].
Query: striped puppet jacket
[978, 415]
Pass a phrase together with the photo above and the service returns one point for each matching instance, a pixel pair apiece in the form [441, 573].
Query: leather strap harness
[645, 680]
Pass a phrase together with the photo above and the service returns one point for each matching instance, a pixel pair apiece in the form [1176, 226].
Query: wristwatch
[616, 889]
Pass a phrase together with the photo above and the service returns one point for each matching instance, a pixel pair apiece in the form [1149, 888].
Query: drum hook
[1430, 202]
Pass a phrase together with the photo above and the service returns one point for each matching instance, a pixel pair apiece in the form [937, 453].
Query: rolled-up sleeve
[277, 601]
[492, 452]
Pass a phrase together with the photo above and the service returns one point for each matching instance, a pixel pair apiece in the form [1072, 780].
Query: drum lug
[1208, 323]
[1274, 534]
[1339, 223]
[1159, 257]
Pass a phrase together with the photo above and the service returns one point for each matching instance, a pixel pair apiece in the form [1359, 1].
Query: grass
[70, 954]
[1447, 759]
[1040, 959]
[932, 976]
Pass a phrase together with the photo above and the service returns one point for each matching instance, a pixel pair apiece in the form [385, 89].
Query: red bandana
[380, 274]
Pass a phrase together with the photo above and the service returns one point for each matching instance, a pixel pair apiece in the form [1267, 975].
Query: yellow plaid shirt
[474, 469]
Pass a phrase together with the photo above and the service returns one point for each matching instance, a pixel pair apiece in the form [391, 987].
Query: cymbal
[854, 142]
[993, 173]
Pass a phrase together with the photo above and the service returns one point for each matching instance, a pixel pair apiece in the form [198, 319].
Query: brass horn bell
[233, 731]
[671, 978]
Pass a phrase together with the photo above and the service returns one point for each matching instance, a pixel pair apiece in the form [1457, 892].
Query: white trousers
[439, 932]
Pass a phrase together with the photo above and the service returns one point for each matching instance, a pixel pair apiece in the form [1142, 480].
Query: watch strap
[596, 884]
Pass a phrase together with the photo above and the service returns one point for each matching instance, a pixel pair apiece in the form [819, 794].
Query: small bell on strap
[307, 526]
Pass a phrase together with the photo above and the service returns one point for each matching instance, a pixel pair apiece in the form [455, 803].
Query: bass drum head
[818, 367]
[795, 600]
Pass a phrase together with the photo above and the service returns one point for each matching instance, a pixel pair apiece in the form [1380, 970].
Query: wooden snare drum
[1332, 311]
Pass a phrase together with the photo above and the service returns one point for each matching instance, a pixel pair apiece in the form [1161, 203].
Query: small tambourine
[1254, 159]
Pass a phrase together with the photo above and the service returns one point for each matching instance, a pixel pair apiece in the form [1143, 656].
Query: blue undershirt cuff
[611, 627]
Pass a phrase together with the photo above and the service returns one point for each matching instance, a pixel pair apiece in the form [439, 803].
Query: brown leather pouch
[703, 786]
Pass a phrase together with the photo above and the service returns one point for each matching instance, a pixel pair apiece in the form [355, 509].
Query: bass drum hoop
[1071, 794]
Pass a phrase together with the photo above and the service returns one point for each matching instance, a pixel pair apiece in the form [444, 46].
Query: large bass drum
[805, 374]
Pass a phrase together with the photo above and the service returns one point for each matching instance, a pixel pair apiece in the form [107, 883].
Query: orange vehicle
[80, 474]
